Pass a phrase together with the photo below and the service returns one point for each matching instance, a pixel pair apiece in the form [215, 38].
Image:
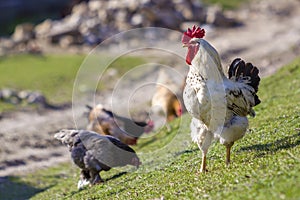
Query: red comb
[195, 32]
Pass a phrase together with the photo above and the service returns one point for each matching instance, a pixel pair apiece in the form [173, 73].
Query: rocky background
[89, 23]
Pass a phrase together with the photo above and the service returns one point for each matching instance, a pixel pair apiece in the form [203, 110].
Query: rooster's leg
[203, 164]
[228, 148]
[204, 145]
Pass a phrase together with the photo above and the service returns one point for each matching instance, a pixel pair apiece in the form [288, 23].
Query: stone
[216, 17]
[23, 94]
[66, 41]
[80, 9]
[7, 43]
[185, 9]
[41, 30]
[133, 5]
[137, 20]
[9, 95]
[23, 32]
[36, 97]
[95, 5]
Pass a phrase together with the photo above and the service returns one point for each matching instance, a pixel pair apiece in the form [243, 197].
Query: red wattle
[192, 51]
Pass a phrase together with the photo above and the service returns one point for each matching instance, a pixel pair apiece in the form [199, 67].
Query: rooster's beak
[185, 45]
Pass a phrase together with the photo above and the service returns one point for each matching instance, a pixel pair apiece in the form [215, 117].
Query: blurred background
[45, 44]
[76, 22]
[18, 11]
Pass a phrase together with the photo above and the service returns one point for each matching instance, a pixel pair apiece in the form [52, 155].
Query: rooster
[218, 105]
[93, 153]
[164, 101]
[105, 122]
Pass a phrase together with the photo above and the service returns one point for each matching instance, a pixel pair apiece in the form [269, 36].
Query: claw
[82, 183]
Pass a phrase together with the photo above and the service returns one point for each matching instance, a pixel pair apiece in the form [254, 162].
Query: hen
[164, 101]
[218, 105]
[93, 153]
[126, 130]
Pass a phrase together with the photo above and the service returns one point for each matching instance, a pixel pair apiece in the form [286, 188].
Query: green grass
[53, 75]
[265, 163]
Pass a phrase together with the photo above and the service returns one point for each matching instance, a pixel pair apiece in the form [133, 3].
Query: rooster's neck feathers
[207, 62]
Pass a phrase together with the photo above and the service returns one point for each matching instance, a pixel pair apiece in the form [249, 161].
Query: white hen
[218, 105]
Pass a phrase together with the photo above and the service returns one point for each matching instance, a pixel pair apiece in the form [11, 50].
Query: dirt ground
[269, 38]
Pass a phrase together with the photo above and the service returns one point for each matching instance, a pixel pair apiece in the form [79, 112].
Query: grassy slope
[265, 162]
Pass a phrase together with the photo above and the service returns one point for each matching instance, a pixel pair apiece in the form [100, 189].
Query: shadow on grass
[115, 176]
[188, 151]
[105, 180]
[284, 143]
[160, 135]
[154, 139]
[12, 188]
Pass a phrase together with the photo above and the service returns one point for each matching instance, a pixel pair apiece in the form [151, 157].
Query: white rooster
[219, 105]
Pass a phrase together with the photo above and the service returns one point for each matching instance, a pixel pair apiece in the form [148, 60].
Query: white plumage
[218, 105]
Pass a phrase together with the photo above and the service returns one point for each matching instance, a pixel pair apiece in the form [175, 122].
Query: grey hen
[93, 153]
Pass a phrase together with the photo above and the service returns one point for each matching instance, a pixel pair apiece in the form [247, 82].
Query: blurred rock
[95, 5]
[7, 43]
[191, 10]
[41, 30]
[23, 94]
[216, 17]
[9, 96]
[23, 33]
[66, 41]
[89, 23]
[137, 20]
[28, 97]
[36, 97]
[80, 9]
[185, 8]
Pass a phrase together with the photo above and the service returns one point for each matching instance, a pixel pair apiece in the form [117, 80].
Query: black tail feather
[256, 100]
[233, 67]
[239, 70]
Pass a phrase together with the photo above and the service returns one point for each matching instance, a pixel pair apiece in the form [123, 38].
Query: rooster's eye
[193, 42]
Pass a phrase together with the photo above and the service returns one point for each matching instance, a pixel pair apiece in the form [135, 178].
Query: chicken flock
[218, 104]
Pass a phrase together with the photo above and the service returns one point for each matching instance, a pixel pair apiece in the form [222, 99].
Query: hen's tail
[66, 136]
[240, 71]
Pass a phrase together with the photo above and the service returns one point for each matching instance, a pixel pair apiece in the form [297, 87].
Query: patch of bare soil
[27, 140]
[269, 38]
